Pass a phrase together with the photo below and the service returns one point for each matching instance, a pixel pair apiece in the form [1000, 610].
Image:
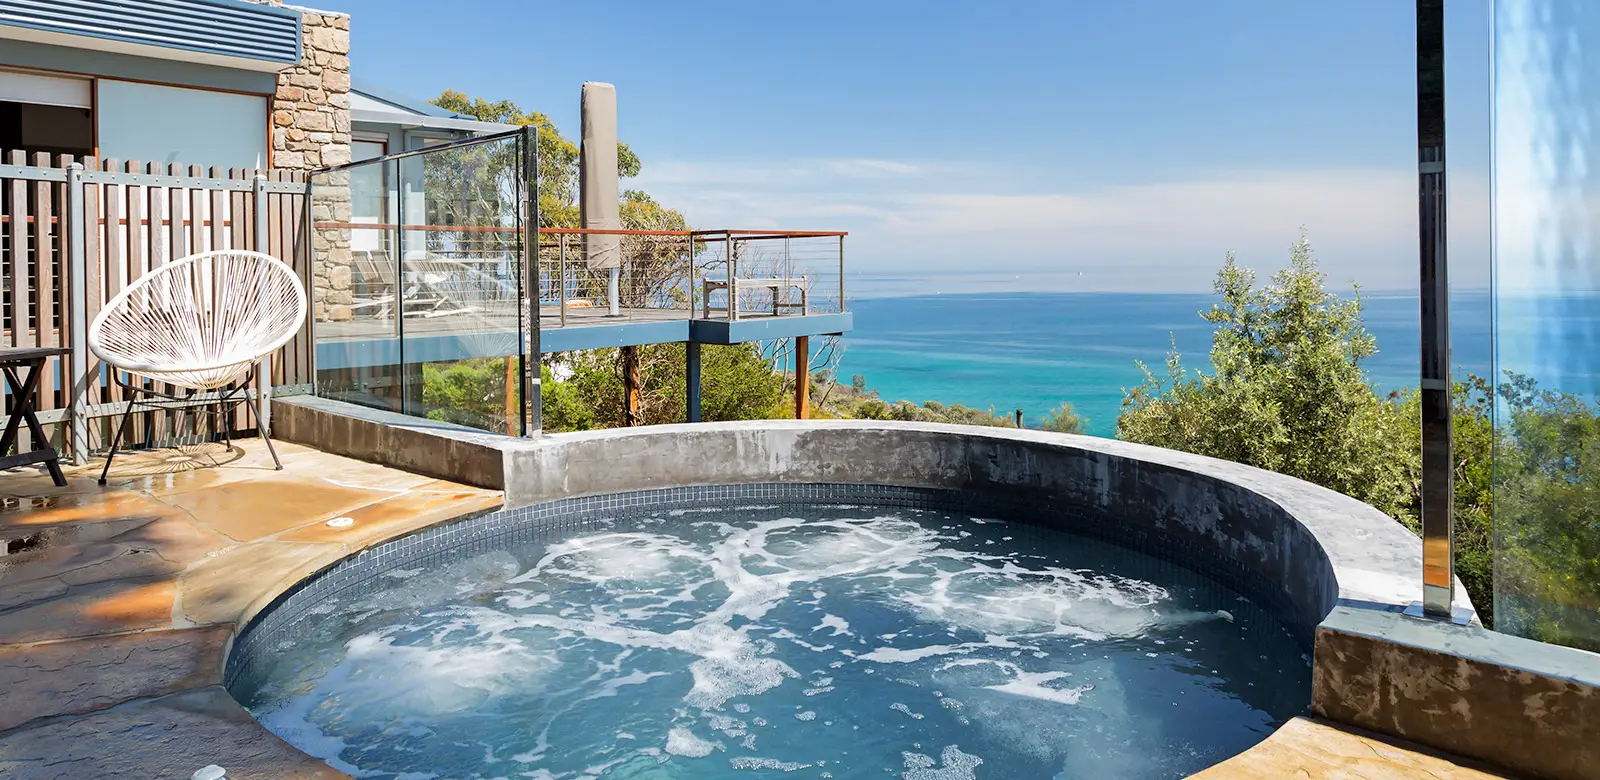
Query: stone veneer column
[311, 130]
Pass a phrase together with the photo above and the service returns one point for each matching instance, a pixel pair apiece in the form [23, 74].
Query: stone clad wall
[311, 130]
[311, 112]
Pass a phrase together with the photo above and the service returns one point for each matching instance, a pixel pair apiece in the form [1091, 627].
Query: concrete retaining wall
[1320, 547]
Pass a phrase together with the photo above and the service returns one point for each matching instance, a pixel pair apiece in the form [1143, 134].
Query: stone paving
[118, 604]
[1307, 748]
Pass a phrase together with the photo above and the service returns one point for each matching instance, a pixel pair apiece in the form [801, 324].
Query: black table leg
[23, 391]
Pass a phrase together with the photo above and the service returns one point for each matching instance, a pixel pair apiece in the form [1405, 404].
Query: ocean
[1032, 351]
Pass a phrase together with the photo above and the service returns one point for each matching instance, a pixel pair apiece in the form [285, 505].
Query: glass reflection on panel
[1547, 320]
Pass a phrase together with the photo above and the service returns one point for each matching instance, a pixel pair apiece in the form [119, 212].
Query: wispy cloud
[797, 173]
[872, 169]
[1168, 235]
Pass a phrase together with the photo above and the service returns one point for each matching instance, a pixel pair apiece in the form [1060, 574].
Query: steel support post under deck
[1438, 492]
[692, 373]
[632, 413]
[802, 377]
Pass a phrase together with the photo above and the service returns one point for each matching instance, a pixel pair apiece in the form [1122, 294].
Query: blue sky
[1130, 141]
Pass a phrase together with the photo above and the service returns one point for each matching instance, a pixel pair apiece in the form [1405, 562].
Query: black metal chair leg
[116, 438]
[260, 426]
[227, 424]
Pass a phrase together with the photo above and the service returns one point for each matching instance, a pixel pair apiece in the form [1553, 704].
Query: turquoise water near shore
[1031, 351]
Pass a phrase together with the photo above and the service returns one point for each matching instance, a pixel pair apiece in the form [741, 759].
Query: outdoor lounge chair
[777, 285]
[433, 287]
[201, 323]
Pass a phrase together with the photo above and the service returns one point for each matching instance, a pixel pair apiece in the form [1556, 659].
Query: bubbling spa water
[796, 641]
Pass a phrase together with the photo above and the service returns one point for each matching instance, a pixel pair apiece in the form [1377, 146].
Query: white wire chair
[201, 323]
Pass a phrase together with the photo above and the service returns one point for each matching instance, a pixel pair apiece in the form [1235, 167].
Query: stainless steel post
[258, 202]
[613, 305]
[733, 282]
[532, 354]
[1438, 490]
[77, 236]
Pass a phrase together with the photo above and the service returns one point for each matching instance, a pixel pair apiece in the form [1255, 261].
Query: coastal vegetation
[1287, 391]
[858, 402]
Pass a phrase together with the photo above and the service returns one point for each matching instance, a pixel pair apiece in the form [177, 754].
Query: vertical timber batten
[1438, 493]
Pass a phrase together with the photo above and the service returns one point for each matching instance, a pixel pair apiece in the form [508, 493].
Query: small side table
[24, 391]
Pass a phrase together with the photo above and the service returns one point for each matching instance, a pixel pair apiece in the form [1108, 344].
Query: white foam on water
[994, 595]
[956, 765]
[609, 687]
[757, 565]
[705, 510]
[752, 763]
[292, 722]
[895, 655]
[784, 633]
[618, 557]
[898, 707]
[837, 624]
[1031, 685]
[682, 742]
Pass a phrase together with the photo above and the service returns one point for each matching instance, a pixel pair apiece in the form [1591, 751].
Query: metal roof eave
[227, 33]
[420, 121]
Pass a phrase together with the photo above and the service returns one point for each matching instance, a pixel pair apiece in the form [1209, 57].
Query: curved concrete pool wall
[1319, 547]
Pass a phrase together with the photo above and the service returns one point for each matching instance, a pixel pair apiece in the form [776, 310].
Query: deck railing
[76, 231]
[683, 274]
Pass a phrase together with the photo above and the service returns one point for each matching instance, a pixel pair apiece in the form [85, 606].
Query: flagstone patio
[117, 603]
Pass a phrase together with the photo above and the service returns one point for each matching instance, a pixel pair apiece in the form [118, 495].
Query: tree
[469, 392]
[1063, 419]
[1287, 393]
[558, 157]
[1547, 509]
[737, 383]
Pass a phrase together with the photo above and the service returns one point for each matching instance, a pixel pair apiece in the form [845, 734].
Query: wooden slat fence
[96, 225]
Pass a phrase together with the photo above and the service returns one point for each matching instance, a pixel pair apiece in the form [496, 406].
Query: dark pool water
[806, 642]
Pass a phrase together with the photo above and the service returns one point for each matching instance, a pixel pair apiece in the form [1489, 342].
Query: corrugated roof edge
[407, 102]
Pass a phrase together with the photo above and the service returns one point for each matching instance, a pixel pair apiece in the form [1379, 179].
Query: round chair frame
[230, 376]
